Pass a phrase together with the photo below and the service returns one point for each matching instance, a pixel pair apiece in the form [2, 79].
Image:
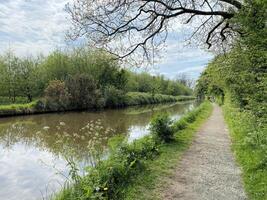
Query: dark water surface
[35, 150]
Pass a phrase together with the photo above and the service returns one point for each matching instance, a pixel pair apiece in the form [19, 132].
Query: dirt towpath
[207, 171]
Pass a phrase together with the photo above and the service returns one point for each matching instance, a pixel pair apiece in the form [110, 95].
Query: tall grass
[250, 146]
[140, 98]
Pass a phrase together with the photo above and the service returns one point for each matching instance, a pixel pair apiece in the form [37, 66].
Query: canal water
[35, 150]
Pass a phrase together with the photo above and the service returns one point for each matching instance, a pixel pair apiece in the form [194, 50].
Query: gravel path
[207, 171]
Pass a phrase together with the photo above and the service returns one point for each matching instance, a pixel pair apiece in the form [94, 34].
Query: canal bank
[132, 99]
[134, 170]
[35, 150]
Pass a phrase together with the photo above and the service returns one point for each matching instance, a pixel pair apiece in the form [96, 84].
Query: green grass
[17, 106]
[18, 109]
[137, 169]
[151, 182]
[250, 146]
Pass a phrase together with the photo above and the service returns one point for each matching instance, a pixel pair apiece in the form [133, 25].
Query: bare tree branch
[235, 3]
[142, 25]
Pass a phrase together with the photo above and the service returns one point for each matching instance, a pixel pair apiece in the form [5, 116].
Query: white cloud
[178, 58]
[32, 26]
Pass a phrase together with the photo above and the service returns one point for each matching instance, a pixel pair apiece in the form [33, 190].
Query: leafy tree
[56, 66]
[241, 73]
[84, 92]
[27, 78]
[57, 96]
[114, 97]
[10, 77]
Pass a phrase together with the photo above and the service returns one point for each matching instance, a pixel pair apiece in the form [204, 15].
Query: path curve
[207, 171]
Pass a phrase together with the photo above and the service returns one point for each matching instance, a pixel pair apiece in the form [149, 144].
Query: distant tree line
[80, 77]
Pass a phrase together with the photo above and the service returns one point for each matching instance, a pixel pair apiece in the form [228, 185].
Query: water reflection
[34, 149]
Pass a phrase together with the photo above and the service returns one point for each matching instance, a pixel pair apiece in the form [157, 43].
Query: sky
[31, 27]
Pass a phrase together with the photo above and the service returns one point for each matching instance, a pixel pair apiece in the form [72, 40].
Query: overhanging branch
[235, 3]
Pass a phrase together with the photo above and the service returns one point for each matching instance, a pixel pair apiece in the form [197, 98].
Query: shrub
[145, 148]
[161, 128]
[114, 97]
[180, 125]
[84, 92]
[108, 179]
[191, 117]
[56, 96]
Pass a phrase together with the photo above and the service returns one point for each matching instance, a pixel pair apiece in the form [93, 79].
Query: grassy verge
[150, 183]
[137, 169]
[250, 146]
[18, 109]
[132, 98]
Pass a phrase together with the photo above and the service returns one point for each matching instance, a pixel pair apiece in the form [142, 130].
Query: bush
[161, 128]
[110, 177]
[191, 117]
[84, 92]
[56, 96]
[180, 125]
[114, 97]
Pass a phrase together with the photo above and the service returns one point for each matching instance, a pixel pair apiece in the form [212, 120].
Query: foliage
[7, 101]
[18, 109]
[144, 82]
[149, 184]
[112, 177]
[189, 118]
[238, 79]
[160, 127]
[139, 98]
[108, 179]
[180, 125]
[84, 92]
[92, 77]
[250, 145]
[57, 96]
[241, 73]
[114, 97]
[18, 77]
